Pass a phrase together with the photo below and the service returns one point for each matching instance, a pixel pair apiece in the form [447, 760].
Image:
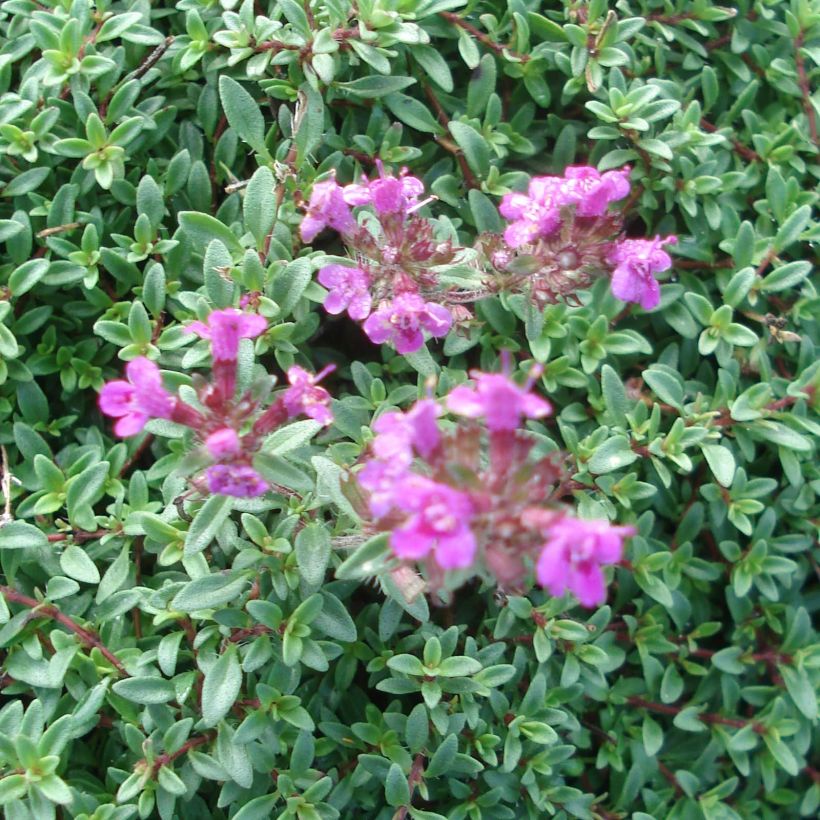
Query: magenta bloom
[225, 328]
[223, 443]
[590, 191]
[382, 480]
[635, 261]
[401, 433]
[327, 209]
[349, 290]
[498, 399]
[238, 480]
[530, 217]
[387, 194]
[137, 400]
[403, 321]
[537, 214]
[573, 554]
[439, 521]
[304, 396]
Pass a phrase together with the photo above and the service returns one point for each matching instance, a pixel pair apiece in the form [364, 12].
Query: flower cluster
[562, 235]
[472, 497]
[230, 427]
[389, 285]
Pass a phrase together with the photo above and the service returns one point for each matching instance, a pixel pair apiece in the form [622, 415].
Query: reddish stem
[41, 610]
[707, 717]
[488, 41]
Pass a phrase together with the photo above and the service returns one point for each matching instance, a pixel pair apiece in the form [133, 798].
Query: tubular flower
[135, 401]
[223, 443]
[404, 320]
[497, 399]
[304, 396]
[439, 521]
[225, 328]
[387, 194]
[636, 260]
[573, 554]
[326, 209]
[238, 480]
[349, 290]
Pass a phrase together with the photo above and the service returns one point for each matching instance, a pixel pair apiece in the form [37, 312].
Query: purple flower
[387, 194]
[304, 396]
[571, 558]
[498, 399]
[223, 443]
[403, 320]
[225, 328]
[349, 290]
[439, 521]
[401, 433]
[238, 480]
[327, 209]
[635, 261]
[137, 400]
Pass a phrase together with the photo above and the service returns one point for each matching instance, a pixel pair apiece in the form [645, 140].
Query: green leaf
[148, 690]
[243, 113]
[18, 535]
[222, 685]
[413, 113]
[613, 454]
[207, 522]
[801, 690]
[475, 147]
[313, 552]
[375, 85]
[396, 788]
[209, 592]
[666, 383]
[76, 564]
[721, 462]
[202, 228]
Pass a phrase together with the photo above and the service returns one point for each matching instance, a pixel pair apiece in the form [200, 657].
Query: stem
[165, 759]
[444, 120]
[78, 536]
[43, 610]
[414, 778]
[745, 152]
[707, 717]
[488, 41]
[805, 87]
[137, 454]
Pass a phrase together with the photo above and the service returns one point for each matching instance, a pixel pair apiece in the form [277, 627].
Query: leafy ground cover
[408, 409]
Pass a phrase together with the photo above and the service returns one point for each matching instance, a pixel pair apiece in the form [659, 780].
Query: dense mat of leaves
[170, 653]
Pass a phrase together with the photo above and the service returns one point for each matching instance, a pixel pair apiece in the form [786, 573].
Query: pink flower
[439, 521]
[304, 396]
[537, 214]
[401, 433]
[327, 209]
[223, 443]
[532, 217]
[349, 290]
[387, 194]
[635, 261]
[573, 554]
[137, 400]
[498, 399]
[238, 480]
[382, 480]
[403, 321]
[225, 328]
[590, 191]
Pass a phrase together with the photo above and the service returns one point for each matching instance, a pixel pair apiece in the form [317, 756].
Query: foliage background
[218, 667]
